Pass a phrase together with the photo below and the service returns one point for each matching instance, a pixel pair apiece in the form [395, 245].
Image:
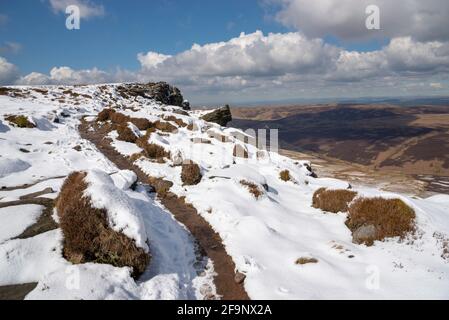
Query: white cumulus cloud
[422, 20]
[252, 54]
[87, 8]
[277, 65]
[151, 59]
[8, 72]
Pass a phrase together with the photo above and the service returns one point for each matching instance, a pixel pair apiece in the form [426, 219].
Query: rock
[64, 114]
[160, 91]
[181, 112]
[176, 158]
[186, 105]
[239, 278]
[165, 93]
[363, 234]
[221, 116]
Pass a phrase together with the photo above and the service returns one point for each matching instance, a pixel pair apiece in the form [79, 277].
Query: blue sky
[316, 49]
[128, 27]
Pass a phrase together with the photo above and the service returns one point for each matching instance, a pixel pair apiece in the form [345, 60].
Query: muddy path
[208, 240]
[16, 292]
[29, 185]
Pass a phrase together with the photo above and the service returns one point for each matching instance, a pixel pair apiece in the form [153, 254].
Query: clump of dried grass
[333, 200]
[87, 234]
[390, 218]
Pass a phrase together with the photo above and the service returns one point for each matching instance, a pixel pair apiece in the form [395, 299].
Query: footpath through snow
[264, 235]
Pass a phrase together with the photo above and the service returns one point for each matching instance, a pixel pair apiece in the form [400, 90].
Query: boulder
[363, 234]
[160, 91]
[221, 116]
[165, 93]
[186, 105]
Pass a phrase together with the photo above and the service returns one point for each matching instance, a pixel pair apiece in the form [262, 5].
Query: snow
[264, 236]
[124, 179]
[175, 271]
[123, 215]
[14, 195]
[86, 282]
[125, 148]
[25, 261]
[9, 166]
[15, 220]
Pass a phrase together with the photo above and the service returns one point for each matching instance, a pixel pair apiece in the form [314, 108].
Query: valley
[384, 144]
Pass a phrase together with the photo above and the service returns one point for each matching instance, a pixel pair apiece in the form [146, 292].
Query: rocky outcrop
[221, 116]
[160, 91]
[186, 105]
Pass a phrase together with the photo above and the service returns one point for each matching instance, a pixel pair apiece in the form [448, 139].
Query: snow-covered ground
[175, 271]
[264, 236]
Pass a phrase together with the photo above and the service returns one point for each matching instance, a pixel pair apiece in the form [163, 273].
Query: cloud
[35, 78]
[278, 55]
[280, 65]
[10, 47]
[248, 55]
[8, 72]
[402, 56]
[151, 59]
[87, 8]
[345, 19]
[68, 76]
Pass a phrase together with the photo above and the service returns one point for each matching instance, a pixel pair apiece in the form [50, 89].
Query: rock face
[186, 105]
[221, 116]
[165, 93]
[363, 234]
[160, 91]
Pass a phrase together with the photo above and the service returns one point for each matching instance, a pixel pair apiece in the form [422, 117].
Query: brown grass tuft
[178, 121]
[87, 234]
[191, 173]
[151, 150]
[285, 175]
[136, 156]
[306, 260]
[126, 134]
[119, 118]
[253, 188]
[333, 200]
[165, 126]
[20, 121]
[141, 123]
[390, 218]
[105, 114]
